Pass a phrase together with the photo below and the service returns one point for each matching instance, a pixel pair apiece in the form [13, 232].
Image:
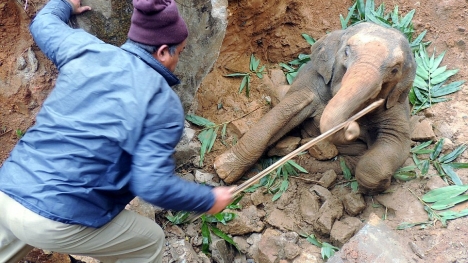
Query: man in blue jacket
[105, 134]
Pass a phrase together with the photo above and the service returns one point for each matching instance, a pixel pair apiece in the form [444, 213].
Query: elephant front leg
[390, 150]
[289, 113]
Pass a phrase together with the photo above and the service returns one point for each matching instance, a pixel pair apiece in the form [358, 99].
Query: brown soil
[271, 30]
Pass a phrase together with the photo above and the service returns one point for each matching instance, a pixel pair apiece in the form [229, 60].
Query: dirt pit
[271, 30]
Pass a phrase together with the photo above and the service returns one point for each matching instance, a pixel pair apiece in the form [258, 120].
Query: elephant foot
[372, 185]
[228, 167]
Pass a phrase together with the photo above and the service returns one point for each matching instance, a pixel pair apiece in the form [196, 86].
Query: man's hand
[223, 197]
[77, 8]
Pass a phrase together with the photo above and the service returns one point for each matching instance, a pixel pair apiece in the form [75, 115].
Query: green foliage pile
[209, 224]
[327, 250]
[437, 203]
[254, 70]
[277, 182]
[443, 163]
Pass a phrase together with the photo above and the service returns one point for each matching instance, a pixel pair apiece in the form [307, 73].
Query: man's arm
[52, 34]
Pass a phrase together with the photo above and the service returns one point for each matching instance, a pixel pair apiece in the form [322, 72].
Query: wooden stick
[294, 153]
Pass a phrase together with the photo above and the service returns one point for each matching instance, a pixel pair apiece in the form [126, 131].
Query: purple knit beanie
[157, 22]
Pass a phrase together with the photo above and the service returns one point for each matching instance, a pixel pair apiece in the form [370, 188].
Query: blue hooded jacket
[105, 134]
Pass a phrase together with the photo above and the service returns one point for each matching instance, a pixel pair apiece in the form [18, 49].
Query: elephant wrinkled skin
[349, 69]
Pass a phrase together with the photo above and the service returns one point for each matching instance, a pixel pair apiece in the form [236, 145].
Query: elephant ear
[401, 90]
[323, 54]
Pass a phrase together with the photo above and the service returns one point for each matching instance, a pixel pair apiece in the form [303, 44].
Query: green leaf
[404, 175]
[449, 215]
[437, 149]
[297, 166]
[422, 72]
[447, 203]
[212, 139]
[425, 167]
[237, 75]
[354, 186]
[451, 173]
[308, 38]
[205, 139]
[420, 83]
[438, 71]
[328, 250]
[458, 165]
[313, 240]
[420, 146]
[443, 76]
[223, 132]
[437, 62]
[206, 238]
[452, 155]
[245, 82]
[224, 236]
[448, 89]
[405, 22]
[442, 193]
[346, 171]
[406, 225]
[200, 121]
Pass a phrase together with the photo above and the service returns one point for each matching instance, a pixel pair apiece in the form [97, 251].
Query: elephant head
[363, 64]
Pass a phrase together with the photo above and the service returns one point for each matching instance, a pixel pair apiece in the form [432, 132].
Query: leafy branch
[442, 199]
[292, 67]
[348, 176]
[246, 76]
[327, 250]
[209, 133]
[208, 224]
[367, 12]
[277, 182]
[428, 87]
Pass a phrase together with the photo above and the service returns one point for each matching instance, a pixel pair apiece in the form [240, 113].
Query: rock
[447, 146]
[187, 148]
[221, 251]
[281, 220]
[323, 150]
[330, 210]
[253, 241]
[143, 208]
[285, 146]
[275, 246]
[328, 178]
[205, 178]
[443, 129]
[309, 253]
[241, 243]
[434, 182]
[174, 230]
[423, 132]
[309, 206]
[247, 221]
[375, 242]
[354, 203]
[182, 251]
[258, 197]
[277, 77]
[343, 230]
[407, 208]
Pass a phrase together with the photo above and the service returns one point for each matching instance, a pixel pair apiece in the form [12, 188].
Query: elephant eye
[394, 71]
[346, 51]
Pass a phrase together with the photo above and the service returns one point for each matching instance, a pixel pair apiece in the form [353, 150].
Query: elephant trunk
[360, 86]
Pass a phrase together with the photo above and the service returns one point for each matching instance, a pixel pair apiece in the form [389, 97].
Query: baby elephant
[349, 69]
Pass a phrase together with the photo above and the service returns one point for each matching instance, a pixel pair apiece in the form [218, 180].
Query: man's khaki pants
[129, 237]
